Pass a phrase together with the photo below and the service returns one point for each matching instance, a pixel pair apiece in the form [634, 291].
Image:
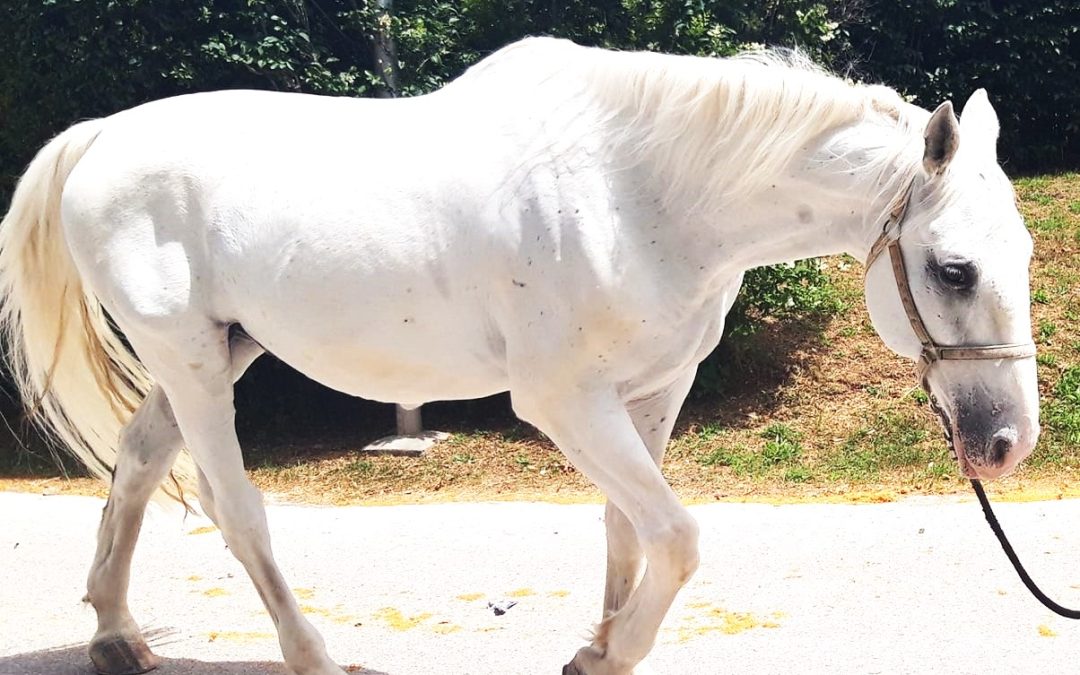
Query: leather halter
[889, 239]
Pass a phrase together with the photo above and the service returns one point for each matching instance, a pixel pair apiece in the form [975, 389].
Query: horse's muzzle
[991, 438]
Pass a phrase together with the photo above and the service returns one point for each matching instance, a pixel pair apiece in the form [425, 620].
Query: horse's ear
[942, 137]
[979, 124]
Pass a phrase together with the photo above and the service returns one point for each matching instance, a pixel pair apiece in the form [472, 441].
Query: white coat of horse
[569, 224]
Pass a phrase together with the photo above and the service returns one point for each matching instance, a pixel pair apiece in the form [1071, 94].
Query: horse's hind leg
[654, 419]
[201, 394]
[148, 447]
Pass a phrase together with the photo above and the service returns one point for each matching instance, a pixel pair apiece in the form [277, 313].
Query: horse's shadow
[72, 660]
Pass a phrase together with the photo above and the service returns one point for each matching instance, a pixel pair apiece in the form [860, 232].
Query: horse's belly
[380, 348]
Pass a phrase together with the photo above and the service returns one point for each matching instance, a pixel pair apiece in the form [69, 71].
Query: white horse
[565, 223]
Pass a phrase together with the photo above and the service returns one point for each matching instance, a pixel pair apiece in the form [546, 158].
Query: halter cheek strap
[889, 240]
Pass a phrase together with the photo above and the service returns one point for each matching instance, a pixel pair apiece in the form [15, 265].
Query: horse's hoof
[120, 656]
[585, 662]
[591, 660]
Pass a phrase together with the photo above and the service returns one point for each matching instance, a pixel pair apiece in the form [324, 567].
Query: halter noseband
[931, 350]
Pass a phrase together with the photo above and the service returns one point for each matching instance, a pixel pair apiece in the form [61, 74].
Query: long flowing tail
[75, 376]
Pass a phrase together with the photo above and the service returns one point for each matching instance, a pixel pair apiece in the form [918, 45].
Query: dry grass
[839, 419]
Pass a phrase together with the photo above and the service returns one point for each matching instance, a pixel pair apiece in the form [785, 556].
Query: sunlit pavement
[918, 586]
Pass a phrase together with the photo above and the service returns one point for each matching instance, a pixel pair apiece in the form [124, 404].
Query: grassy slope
[840, 417]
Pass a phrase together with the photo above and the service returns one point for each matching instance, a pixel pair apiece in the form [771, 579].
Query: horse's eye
[960, 276]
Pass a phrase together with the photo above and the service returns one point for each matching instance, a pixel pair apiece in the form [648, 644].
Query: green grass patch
[1052, 223]
[780, 453]
[1062, 414]
[1047, 330]
[888, 441]
[1044, 359]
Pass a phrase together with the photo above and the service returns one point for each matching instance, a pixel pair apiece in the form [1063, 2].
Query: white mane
[734, 122]
[738, 121]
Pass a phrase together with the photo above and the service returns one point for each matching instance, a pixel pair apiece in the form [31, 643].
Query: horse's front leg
[595, 431]
[654, 419]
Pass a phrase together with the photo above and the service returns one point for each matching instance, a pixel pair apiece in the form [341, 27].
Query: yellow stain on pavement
[469, 597]
[215, 592]
[238, 636]
[337, 614]
[521, 593]
[1046, 631]
[204, 530]
[720, 620]
[394, 619]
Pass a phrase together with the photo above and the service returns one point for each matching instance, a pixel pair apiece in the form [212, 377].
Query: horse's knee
[673, 546]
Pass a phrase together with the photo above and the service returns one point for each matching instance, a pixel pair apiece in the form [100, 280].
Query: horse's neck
[819, 206]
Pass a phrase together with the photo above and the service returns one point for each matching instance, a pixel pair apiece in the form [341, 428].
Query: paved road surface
[917, 586]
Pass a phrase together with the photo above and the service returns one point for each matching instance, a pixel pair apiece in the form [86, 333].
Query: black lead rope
[1007, 547]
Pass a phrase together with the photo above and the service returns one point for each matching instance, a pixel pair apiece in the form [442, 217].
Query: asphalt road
[918, 586]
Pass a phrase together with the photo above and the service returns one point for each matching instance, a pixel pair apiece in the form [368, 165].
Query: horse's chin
[967, 469]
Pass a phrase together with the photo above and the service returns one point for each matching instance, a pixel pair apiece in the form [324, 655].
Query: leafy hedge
[1026, 53]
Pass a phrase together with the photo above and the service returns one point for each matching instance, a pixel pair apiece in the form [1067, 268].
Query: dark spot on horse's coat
[519, 284]
[804, 214]
[663, 419]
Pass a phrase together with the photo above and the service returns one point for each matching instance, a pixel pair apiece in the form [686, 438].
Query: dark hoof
[571, 669]
[122, 657]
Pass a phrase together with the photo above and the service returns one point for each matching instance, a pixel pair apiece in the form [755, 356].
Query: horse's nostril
[1000, 445]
